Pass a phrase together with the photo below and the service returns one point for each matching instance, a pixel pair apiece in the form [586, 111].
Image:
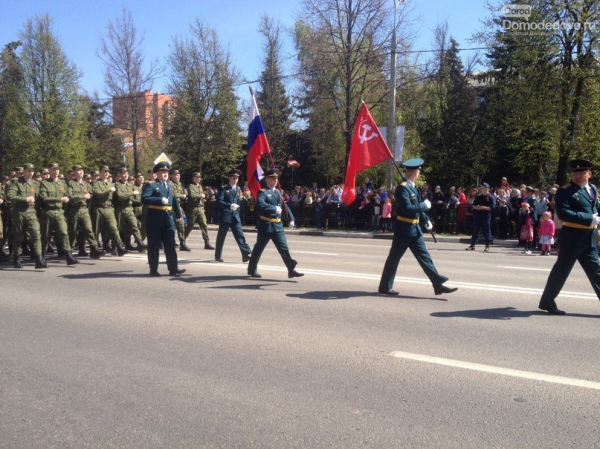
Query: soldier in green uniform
[22, 194]
[53, 195]
[181, 195]
[8, 228]
[269, 204]
[577, 206]
[137, 201]
[80, 192]
[102, 196]
[123, 200]
[408, 233]
[195, 209]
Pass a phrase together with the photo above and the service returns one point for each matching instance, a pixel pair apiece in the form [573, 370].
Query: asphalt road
[101, 355]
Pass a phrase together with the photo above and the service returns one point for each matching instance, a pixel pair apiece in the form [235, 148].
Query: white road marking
[498, 370]
[530, 269]
[318, 254]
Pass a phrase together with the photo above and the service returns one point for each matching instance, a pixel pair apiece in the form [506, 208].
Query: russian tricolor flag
[257, 146]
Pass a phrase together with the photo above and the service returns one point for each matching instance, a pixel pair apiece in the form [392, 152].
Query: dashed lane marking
[498, 370]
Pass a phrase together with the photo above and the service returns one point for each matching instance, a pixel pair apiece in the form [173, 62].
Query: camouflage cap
[77, 167]
[53, 165]
[94, 173]
[197, 174]
[104, 168]
[26, 167]
[123, 170]
[175, 172]
[45, 171]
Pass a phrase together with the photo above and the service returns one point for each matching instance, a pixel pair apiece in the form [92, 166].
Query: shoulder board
[403, 183]
[567, 185]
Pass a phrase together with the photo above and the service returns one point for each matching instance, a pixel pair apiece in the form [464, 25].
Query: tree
[203, 129]
[125, 75]
[51, 96]
[448, 128]
[103, 146]
[342, 52]
[14, 132]
[273, 102]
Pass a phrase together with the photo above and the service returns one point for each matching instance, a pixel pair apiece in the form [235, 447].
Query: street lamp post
[391, 132]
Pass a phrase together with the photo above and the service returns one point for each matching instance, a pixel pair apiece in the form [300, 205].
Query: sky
[79, 25]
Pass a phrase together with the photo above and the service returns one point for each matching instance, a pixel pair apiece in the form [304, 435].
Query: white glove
[292, 224]
[235, 206]
[136, 192]
[596, 220]
[112, 189]
[278, 209]
[427, 204]
[428, 225]
[165, 200]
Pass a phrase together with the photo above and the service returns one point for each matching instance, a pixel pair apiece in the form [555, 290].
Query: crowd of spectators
[375, 208]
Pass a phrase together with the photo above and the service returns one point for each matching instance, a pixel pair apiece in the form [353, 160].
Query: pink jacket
[386, 211]
[547, 227]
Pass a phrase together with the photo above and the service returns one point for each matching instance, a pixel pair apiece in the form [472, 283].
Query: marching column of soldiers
[43, 212]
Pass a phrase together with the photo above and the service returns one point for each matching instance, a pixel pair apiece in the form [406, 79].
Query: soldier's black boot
[70, 258]
[129, 246]
[95, 253]
[40, 262]
[51, 248]
[17, 261]
[3, 256]
[207, 245]
[141, 247]
[25, 248]
[121, 251]
[183, 246]
[82, 251]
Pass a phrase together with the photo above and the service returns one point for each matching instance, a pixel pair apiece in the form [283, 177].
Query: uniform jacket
[574, 205]
[227, 196]
[51, 193]
[101, 193]
[408, 206]
[196, 196]
[124, 195]
[153, 194]
[77, 192]
[18, 191]
[266, 206]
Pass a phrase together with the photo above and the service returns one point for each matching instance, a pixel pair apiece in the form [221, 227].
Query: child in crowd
[547, 229]
[376, 216]
[386, 215]
[452, 207]
[526, 222]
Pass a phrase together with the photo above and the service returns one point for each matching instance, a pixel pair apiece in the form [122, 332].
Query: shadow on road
[327, 295]
[106, 274]
[502, 313]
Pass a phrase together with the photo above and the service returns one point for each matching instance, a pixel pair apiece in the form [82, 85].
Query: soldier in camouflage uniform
[104, 214]
[181, 195]
[80, 192]
[123, 200]
[195, 209]
[137, 201]
[22, 194]
[53, 196]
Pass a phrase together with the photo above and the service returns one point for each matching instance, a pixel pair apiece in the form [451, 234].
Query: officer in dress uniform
[484, 205]
[228, 201]
[577, 206]
[408, 233]
[269, 205]
[163, 210]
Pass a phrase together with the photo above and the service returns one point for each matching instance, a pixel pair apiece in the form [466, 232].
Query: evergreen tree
[272, 100]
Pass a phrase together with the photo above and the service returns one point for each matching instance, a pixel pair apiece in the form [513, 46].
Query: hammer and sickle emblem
[363, 137]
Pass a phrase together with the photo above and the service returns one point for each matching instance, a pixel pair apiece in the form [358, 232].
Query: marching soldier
[195, 209]
[181, 196]
[229, 217]
[80, 192]
[22, 194]
[137, 201]
[269, 204]
[53, 196]
[408, 233]
[123, 200]
[102, 195]
[577, 206]
[163, 211]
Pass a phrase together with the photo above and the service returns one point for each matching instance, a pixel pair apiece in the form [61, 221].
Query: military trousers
[196, 215]
[417, 246]
[54, 222]
[80, 223]
[181, 228]
[238, 234]
[106, 222]
[262, 239]
[161, 229]
[567, 256]
[26, 223]
[128, 224]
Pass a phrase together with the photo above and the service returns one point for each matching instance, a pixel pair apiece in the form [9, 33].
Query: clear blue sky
[79, 24]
